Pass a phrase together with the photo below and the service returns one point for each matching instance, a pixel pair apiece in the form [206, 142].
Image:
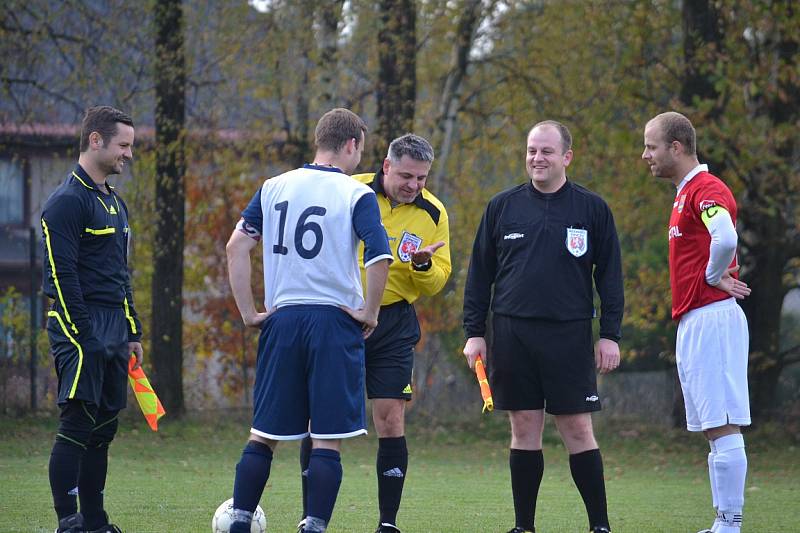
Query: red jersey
[689, 242]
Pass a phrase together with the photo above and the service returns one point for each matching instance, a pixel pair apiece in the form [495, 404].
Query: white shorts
[712, 351]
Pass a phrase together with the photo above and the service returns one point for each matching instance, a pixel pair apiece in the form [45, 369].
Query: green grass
[172, 481]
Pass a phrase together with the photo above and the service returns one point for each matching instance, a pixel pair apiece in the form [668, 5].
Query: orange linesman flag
[486, 392]
[145, 395]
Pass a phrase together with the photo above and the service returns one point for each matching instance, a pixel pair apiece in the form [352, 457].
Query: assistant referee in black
[537, 249]
[92, 325]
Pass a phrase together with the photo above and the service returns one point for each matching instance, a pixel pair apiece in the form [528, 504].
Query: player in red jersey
[712, 343]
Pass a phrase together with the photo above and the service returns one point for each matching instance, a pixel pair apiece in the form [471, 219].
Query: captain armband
[248, 229]
[707, 215]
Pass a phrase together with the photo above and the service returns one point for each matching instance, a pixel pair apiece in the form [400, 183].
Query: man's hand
[254, 320]
[736, 288]
[422, 256]
[474, 347]
[135, 348]
[368, 321]
[606, 355]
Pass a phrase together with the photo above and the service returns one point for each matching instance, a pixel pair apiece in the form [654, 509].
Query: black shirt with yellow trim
[409, 227]
[85, 233]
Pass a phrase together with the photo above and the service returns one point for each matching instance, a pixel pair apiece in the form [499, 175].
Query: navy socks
[324, 479]
[252, 474]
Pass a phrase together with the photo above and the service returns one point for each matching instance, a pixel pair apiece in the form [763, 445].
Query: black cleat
[599, 529]
[385, 527]
[71, 524]
[108, 528]
[520, 530]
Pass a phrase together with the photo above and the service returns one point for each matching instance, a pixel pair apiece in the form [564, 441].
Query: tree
[396, 84]
[166, 328]
[330, 13]
[450, 103]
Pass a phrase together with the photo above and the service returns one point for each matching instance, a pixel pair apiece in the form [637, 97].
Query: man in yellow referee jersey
[419, 235]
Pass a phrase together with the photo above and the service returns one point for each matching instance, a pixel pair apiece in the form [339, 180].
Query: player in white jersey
[310, 375]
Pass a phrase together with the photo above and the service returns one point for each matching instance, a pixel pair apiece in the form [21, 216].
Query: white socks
[711, 474]
[727, 472]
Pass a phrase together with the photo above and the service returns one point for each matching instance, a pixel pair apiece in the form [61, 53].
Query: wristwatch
[423, 267]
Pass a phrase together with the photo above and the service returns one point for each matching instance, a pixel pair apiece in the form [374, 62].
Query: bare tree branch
[39, 87]
[790, 355]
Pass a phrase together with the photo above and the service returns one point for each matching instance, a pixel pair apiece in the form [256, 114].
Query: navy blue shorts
[310, 368]
[537, 364]
[96, 375]
[390, 352]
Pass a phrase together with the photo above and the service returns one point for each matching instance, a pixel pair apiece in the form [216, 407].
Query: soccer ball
[223, 518]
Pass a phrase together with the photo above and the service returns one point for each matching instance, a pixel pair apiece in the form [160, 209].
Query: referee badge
[577, 241]
[409, 243]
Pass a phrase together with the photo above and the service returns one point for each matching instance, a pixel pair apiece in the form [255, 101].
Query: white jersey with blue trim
[313, 219]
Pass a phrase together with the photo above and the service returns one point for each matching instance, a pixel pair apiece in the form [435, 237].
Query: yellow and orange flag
[145, 395]
[486, 392]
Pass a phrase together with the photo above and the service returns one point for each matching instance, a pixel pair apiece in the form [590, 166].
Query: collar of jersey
[564, 188]
[377, 186]
[85, 180]
[692, 173]
[323, 168]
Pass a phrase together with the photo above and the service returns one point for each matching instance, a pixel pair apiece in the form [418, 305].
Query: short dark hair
[416, 147]
[563, 131]
[676, 127]
[103, 119]
[336, 127]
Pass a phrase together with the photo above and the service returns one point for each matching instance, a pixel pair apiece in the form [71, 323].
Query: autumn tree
[396, 79]
[166, 327]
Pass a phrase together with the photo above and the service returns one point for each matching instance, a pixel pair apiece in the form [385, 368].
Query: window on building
[12, 192]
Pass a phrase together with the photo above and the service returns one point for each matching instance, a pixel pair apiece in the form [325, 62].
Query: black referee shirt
[540, 251]
[85, 233]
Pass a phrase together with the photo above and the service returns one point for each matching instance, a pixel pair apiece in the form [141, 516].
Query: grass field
[458, 479]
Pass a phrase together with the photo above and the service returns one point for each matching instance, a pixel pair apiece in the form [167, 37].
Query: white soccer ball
[223, 518]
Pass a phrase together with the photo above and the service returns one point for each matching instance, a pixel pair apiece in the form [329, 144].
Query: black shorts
[389, 352]
[95, 375]
[537, 364]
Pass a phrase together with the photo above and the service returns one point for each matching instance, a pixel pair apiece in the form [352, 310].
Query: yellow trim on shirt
[55, 276]
[128, 315]
[104, 231]
[80, 352]
[81, 180]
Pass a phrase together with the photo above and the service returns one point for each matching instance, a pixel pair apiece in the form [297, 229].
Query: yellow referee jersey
[410, 227]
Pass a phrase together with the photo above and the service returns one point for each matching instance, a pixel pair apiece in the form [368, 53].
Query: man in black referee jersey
[92, 325]
[540, 244]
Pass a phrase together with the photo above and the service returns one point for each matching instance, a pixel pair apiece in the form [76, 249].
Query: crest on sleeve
[577, 241]
[409, 243]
